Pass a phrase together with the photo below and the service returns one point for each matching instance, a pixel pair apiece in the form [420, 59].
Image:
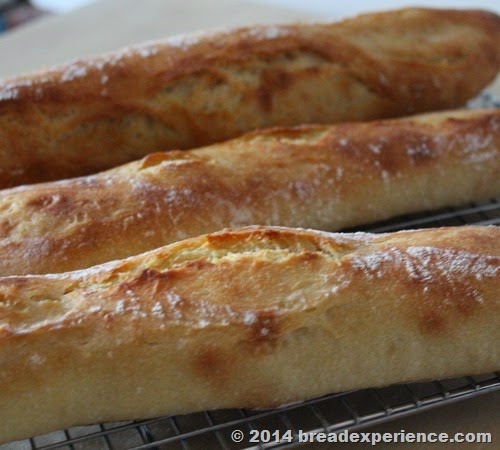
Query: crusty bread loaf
[185, 92]
[255, 317]
[313, 177]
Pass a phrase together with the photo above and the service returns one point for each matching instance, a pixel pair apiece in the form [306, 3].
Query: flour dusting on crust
[425, 264]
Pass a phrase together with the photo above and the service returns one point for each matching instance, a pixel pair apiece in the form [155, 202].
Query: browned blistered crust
[93, 114]
[321, 177]
[254, 317]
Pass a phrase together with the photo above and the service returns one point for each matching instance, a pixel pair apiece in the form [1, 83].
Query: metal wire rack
[336, 412]
[212, 430]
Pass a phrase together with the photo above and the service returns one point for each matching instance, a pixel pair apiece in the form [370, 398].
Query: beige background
[110, 24]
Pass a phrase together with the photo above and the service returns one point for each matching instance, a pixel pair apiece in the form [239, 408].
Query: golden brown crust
[254, 317]
[321, 177]
[94, 114]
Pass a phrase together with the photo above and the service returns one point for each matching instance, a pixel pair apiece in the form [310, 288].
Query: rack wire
[332, 413]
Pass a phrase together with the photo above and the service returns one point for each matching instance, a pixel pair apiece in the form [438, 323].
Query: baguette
[95, 114]
[256, 317]
[312, 177]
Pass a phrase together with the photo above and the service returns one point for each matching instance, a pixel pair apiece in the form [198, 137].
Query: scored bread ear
[186, 92]
[242, 318]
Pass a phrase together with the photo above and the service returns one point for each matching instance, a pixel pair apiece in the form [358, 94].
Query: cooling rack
[332, 413]
[212, 430]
